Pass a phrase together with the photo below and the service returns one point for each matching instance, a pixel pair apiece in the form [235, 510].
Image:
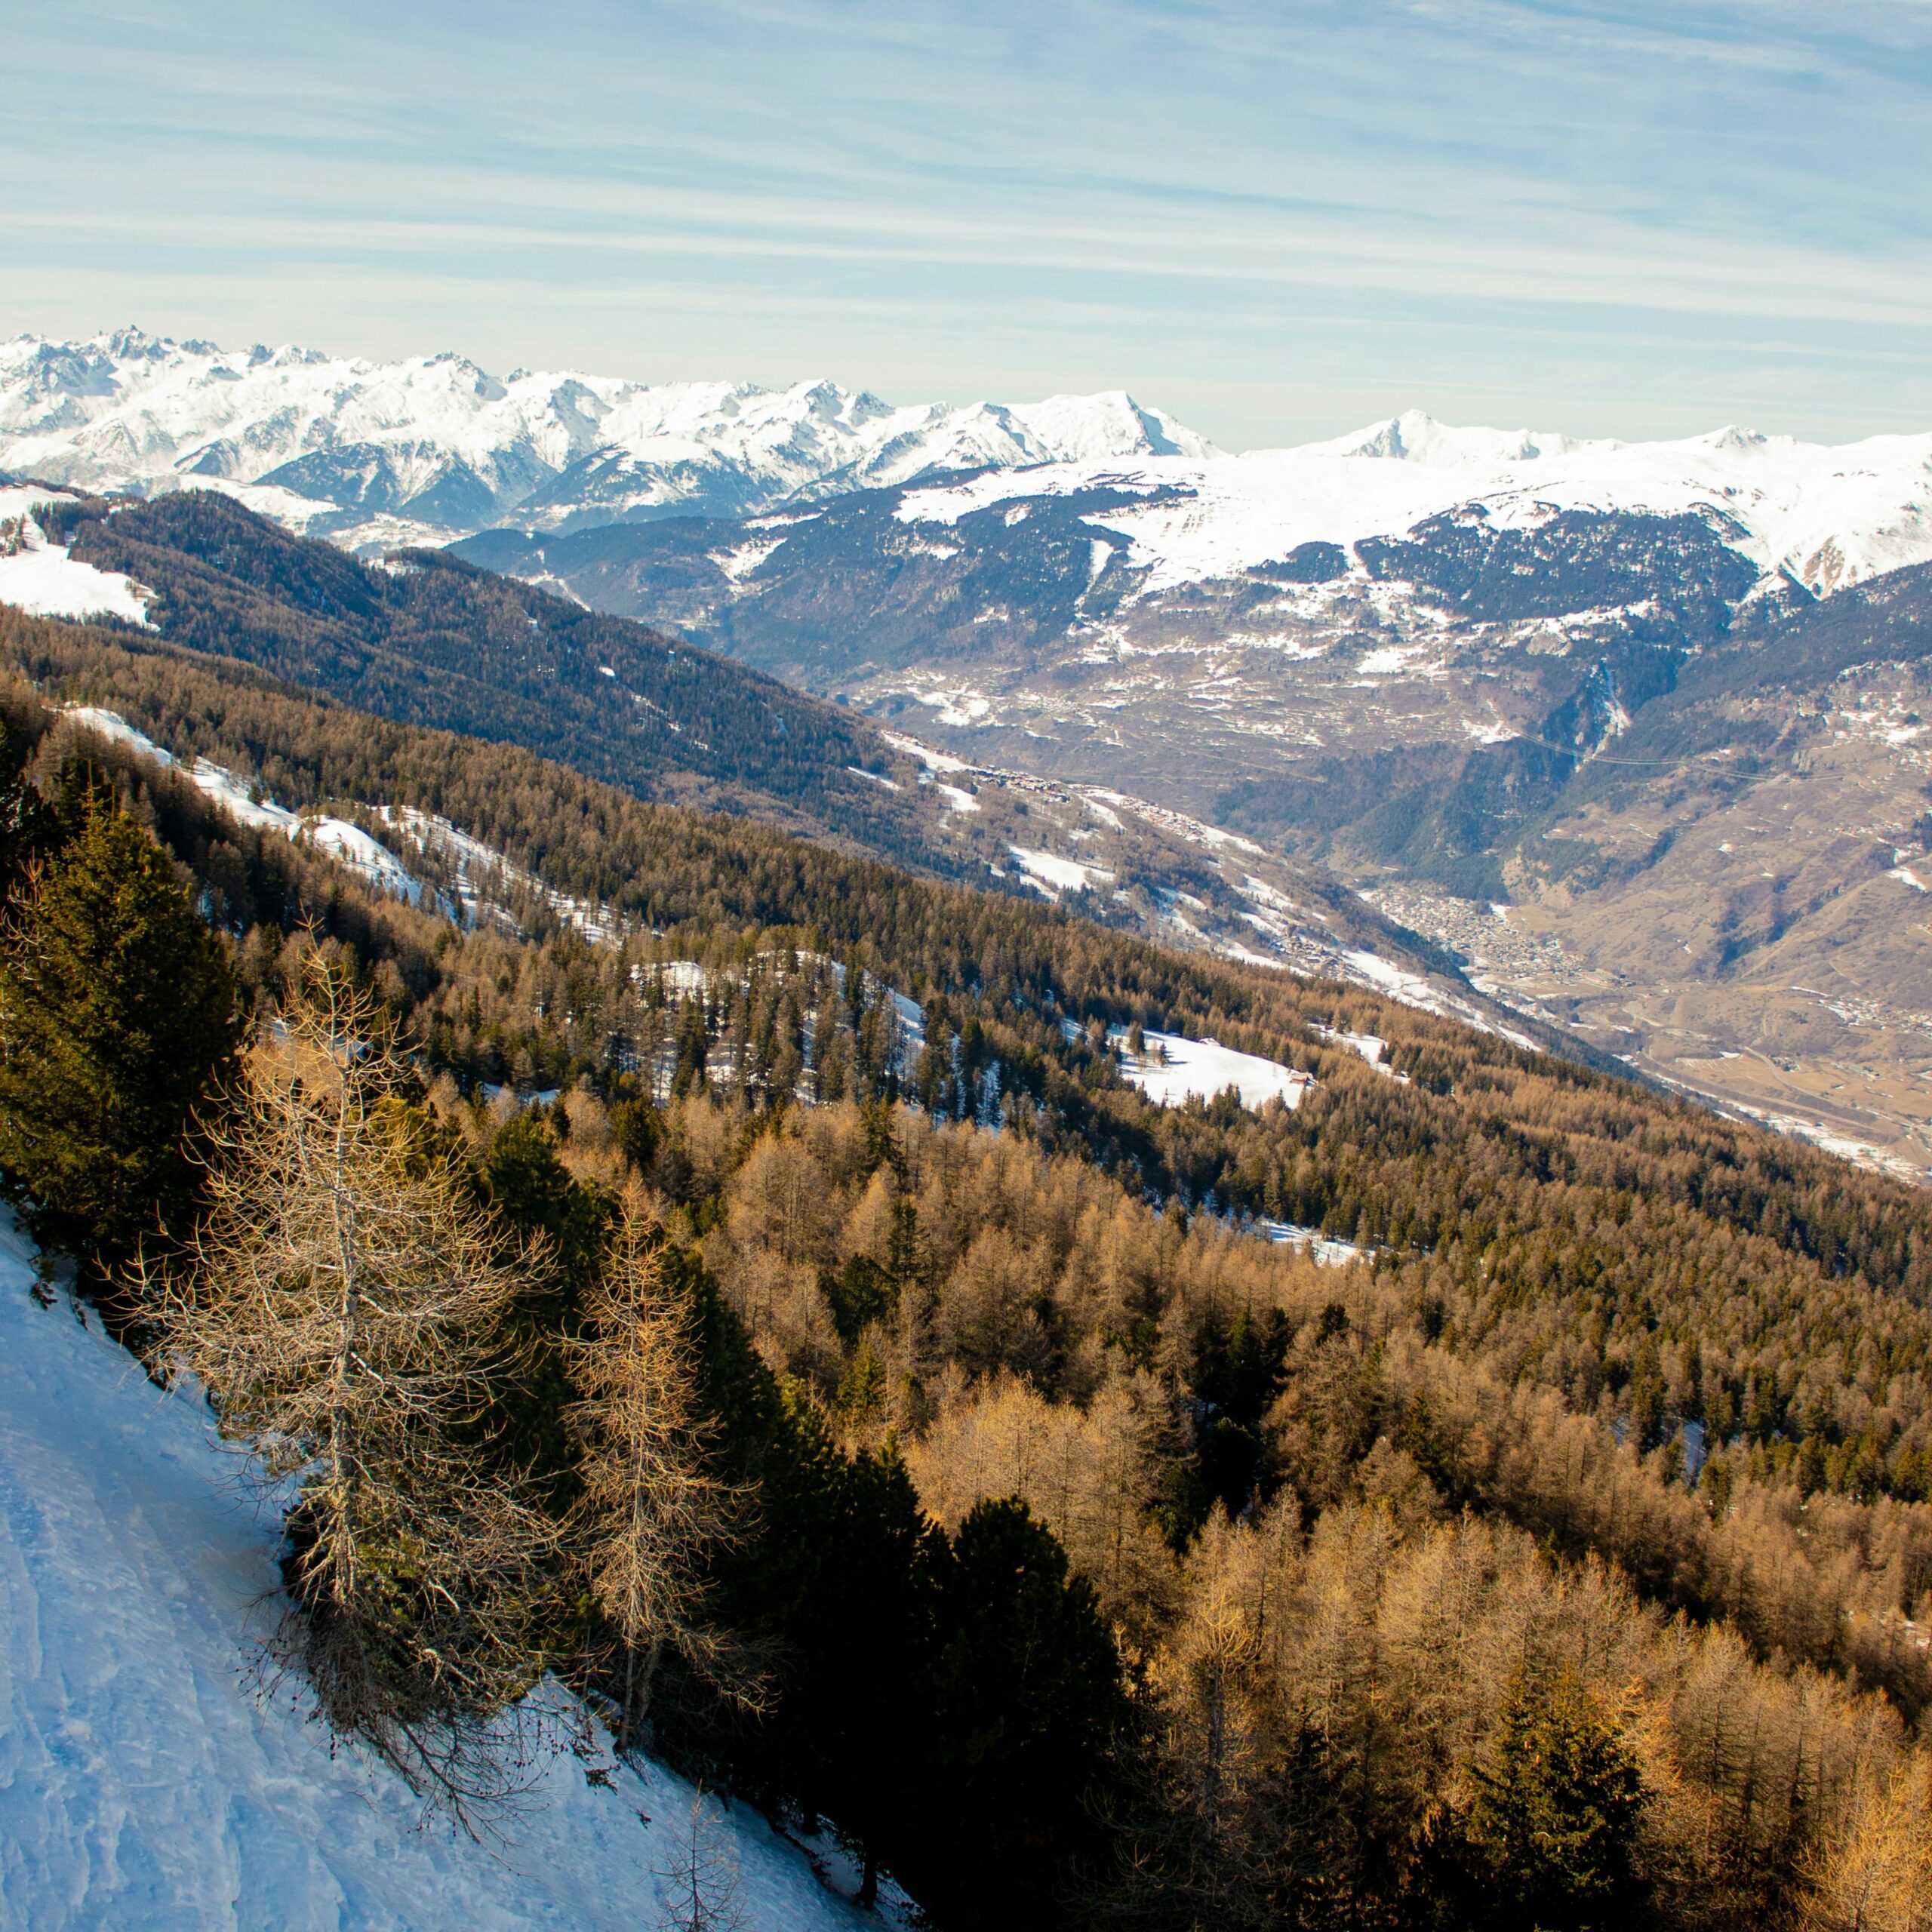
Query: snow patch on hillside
[1172, 1069]
[485, 878]
[344, 842]
[43, 579]
[145, 1784]
[1324, 1250]
[1053, 875]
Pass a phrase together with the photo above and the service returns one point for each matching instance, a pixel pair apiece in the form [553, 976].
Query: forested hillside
[428, 640]
[425, 639]
[1562, 1559]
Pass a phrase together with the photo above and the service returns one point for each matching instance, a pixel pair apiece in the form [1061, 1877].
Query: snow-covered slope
[433, 446]
[1828, 517]
[1173, 1069]
[40, 577]
[343, 841]
[146, 1785]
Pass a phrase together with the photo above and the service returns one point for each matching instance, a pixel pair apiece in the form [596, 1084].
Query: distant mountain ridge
[421, 450]
[429, 449]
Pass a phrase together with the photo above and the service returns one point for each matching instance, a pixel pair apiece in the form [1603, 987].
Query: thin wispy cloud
[1276, 218]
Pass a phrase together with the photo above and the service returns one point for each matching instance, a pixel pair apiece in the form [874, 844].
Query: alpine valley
[1627, 738]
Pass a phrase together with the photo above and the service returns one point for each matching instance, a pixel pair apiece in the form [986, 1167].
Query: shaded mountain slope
[430, 641]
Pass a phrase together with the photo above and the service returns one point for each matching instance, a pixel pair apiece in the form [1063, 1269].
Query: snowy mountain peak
[1071, 429]
[431, 447]
[1821, 517]
[1415, 436]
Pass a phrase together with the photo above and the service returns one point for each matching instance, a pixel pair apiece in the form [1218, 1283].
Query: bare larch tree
[649, 1512]
[338, 1304]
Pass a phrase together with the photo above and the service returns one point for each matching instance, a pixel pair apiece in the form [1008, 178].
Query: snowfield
[45, 582]
[145, 1783]
[1053, 875]
[1203, 1068]
[1324, 1249]
[41, 579]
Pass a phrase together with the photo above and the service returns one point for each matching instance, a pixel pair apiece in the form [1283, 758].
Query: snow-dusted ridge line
[1826, 517]
[432, 446]
[479, 867]
[147, 1783]
[344, 842]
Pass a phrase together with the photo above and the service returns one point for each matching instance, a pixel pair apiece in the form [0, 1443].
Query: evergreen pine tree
[1028, 1702]
[117, 1018]
[28, 830]
[867, 1698]
[1554, 1822]
[544, 1213]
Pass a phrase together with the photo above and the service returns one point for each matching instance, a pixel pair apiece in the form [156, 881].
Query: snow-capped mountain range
[380, 453]
[1819, 516]
[427, 449]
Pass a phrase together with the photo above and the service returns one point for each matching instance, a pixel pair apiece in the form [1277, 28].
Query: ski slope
[146, 1785]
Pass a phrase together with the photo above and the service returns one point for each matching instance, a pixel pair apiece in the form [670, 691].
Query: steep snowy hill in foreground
[144, 1784]
[433, 447]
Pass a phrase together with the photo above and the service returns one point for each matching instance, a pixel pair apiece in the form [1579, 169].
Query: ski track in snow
[145, 1785]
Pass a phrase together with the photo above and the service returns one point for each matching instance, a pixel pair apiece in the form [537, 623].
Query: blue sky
[1277, 221]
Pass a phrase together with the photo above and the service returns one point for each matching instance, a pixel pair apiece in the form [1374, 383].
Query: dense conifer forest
[1563, 1557]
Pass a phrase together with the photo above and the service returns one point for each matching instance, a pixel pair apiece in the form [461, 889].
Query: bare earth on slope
[1765, 940]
